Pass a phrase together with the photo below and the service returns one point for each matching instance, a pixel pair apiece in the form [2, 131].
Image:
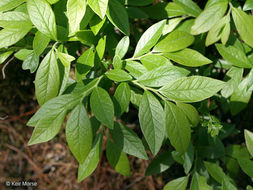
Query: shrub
[185, 66]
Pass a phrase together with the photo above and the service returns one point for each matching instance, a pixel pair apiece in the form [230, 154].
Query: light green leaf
[47, 80]
[100, 48]
[52, 1]
[189, 6]
[122, 47]
[102, 107]
[159, 164]
[65, 58]
[6, 5]
[40, 43]
[117, 159]
[248, 5]
[188, 57]
[177, 184]
[31, 62]
[4, 56]
[79, 133]
[161, 75]
[234, 55]
[23, 54]
[118, 75]
[96, 23]
[14, 19]
[199, 183]
[122, 97]
[225, 34]
[244, 25]
[135, 68]
[190, 112]
[149, 38]
[90, 164]
[118, 16]
[42, 16]
[209, 17]
[174, 41]
[191, 89]
[172, 24]
[215, 171]
[177, 127]
[99, 7]
[75, 12]
[154, 61]
[227, 185]
[249, 140]
[65, 80]
[128, 141]
[246, 166]
[152, 121]
[10, 36]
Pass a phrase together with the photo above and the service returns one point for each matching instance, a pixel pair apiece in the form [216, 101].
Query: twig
[4, 118]
[4, 67]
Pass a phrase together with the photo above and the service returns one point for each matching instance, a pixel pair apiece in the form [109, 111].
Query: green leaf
[199, 182]
[173, 23]
[122, 97]
[227, 185]
[135, 68]
[177, 184]
[122, 47]
[75, 13]
[23, 54]
[159, 164]
[191, 89]
[65, 58]
[42, 16]
[209, 17]
[149, 38]
[177, 127]
[31, 62]
[246, 166]
[152, 121]
[117, 159]
[248, 5]
[234, 56]
[14, 19]
[99, 7]
[188, 57]
[10, 36]
[189, 6]
[102, 107]
[101, 47]
[52, 1]
[96, 23]
[118, 16]
[84, 64]
[47, 80]
[153, 61]
[225, 34]
[118, 75]
[174, 41]
[161, 75]
[6, 5]
[47, 127]
[215, 171]
[65, 80]
[249, 140]
[90, 164]
[139, 2]
[188, 158]
[79, 133]
[244, 25]
[4, 56]
[127, 140]
[190, 112]
[40, 43]
[86, 37]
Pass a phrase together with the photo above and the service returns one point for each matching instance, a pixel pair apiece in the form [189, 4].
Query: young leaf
[99, 7]
[85, 169]
[42, 16]
[152, 121]
[177, 184]
[6, 5]
[249, 140]
[178, 127]
[154, 61]
[122, 47]
[65, 58]
[75, 12]
[31, 62]
[40, 43]
[128, 141]
[149, 38]
[209, 17]
[122, 97]
[117, 159]
[118, 75]
[79, 133]
[47, 80]
[159, 164]
[102, 107]
[188, 57]
[189, 6]
[244, 25]
[234, 55]
[191, 89]
[118, 16]
[174, 41]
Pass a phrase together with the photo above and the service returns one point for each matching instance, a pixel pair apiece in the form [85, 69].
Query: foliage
[176, 74]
